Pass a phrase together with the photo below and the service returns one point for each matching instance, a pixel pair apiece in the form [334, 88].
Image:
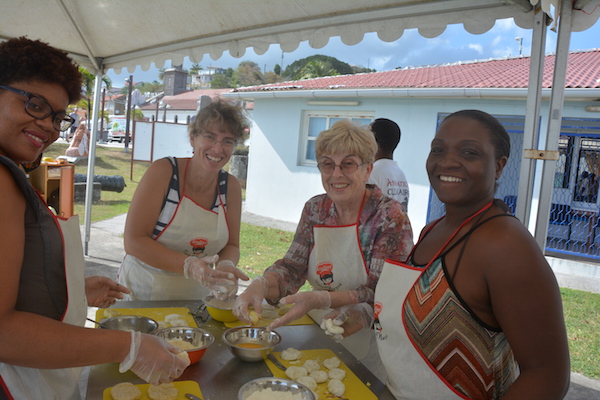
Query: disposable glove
[218, 282]
[303, 303]
[253, 296]
[153, 359]
[352, 318]
[229, 290]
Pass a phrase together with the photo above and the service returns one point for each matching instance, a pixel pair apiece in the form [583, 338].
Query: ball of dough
[295, 372]
[164, 391]
[332, 362]
[337, 373]
[125, 391]
[308, 381]
[178, 322]
[311, 365]
[291, 354]
[336, 387]
[172, 317]
[320, 376]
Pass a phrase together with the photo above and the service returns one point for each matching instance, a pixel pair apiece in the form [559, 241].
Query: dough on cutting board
[125, 391]
[308, 381]
[320, 376]
[291, 354]
[331, 363]
[295, 372]
[337, 373]
[336, 387]
[164, 391]
[311, 366]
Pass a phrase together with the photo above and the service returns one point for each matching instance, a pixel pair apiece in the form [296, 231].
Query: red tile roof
[583, 72]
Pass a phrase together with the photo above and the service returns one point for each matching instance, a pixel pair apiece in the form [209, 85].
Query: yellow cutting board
[157, 314]
[355, 388]
[183, 386]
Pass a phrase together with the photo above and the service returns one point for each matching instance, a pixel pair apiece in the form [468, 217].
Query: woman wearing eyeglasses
[341, 242]
[43, 292]
[183, 225]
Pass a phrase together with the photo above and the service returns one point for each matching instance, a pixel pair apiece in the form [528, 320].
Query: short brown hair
[225, 113]
[346, 137]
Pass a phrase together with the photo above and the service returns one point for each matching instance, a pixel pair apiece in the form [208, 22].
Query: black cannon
[111, 183]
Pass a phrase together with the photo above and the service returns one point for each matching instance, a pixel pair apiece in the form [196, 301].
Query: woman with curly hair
[43, 292]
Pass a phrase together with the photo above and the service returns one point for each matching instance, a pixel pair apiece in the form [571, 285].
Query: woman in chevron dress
[475, 312]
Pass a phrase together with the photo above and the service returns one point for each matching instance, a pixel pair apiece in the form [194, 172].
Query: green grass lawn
[261, 246]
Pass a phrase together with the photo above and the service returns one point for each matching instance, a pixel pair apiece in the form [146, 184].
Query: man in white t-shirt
[386, 172]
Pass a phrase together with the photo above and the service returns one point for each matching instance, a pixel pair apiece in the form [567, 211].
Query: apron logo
[377, 308]
[325, 272]
[198, 245]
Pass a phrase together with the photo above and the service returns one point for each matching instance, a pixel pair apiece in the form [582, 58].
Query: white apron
[56, 384]
[337, 263]
[193, 230]
[413, 378]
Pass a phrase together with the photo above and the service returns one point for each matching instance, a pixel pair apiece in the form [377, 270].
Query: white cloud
[476, 46]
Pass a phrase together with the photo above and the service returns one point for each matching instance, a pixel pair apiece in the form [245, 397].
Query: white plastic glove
[230, 290]
[218, 282]
[303, 303]
[153, 359]
[253, 296]
[351, 318]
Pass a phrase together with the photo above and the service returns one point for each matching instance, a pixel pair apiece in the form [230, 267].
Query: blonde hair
[346, 137]
[227, 114]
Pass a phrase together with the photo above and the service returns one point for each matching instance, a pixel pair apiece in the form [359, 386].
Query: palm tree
[88, 91]
[315, 69]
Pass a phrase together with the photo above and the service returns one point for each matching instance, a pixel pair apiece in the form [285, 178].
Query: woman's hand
[303, 303]
[228, 266]
[253, 296]
[352, 318]
[220, 283]
[102, 292]
[153, 359]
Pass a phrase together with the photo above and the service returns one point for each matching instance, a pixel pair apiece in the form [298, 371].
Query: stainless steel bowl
[276, 385]
[199, 338]
[239, 338]
[130, 323]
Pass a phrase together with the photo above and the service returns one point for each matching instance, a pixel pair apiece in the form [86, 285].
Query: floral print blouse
[384, 230]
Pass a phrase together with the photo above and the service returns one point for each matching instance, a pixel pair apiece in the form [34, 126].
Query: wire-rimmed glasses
[347, 167]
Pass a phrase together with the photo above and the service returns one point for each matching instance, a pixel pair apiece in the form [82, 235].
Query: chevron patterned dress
[475, 360]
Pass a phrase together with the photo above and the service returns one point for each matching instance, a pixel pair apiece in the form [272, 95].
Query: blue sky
[455, 44]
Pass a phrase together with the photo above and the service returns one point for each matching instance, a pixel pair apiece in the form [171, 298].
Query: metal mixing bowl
[277, 385]
[198, 337]
[239, 337]
[130, 323]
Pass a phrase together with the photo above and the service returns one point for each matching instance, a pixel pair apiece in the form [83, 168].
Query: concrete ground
[105, 252]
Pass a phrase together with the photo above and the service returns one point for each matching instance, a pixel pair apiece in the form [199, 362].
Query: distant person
[386, 172]
[185, 216]
[73, 128]
[44, 294]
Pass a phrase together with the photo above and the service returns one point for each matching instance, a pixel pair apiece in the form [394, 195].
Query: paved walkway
[105, 252]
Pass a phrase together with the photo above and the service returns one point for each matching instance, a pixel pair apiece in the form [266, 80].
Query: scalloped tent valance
[105, 34]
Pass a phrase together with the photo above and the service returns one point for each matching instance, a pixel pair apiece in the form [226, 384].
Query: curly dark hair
[23, 60]
[225, 113]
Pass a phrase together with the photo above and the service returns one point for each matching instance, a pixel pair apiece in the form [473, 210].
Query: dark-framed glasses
[347, 167]
[39, 108]
[226, 144]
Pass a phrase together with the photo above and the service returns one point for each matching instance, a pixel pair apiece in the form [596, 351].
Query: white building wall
[278, 186]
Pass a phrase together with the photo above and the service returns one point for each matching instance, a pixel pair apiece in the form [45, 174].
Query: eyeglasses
[39, 108]
[347, 167]
[226, 144]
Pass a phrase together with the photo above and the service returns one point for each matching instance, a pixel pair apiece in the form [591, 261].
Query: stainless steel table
[219, 374]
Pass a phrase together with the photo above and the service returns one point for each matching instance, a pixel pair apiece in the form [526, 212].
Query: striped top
[475, 359]
[174, 194]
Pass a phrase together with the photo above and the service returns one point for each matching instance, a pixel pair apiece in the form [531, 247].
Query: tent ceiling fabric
[124, 34]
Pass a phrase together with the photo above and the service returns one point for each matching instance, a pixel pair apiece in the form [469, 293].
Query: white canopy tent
[105, 34]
